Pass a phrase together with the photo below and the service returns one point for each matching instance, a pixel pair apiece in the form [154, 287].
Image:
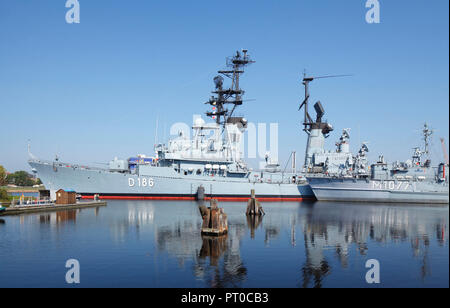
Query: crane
[444, 149]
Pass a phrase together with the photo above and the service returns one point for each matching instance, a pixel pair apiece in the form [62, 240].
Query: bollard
[215, 221]
[200, 193]
[253, 206]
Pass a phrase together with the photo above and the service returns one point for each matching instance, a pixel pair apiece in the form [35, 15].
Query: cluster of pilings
[215, 220]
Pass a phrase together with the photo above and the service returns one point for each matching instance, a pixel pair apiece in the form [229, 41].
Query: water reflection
[293, 245]
[253, 222]
[213, 247]
[225, 268]
[54, 218]
[325, 227]
[58, 218]
[137, 216]
[339, 227]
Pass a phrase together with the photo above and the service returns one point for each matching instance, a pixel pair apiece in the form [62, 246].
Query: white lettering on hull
[390, 185]
[141, 182]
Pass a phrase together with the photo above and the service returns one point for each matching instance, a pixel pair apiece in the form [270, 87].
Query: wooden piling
[215, 221]
[253, 206]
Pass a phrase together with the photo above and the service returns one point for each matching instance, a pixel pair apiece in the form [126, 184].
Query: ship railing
[68, 165]
[34, 203]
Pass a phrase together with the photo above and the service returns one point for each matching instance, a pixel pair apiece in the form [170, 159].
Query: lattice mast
[233, 94]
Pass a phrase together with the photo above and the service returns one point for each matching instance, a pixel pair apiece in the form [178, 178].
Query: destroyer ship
[352, 179]
[208, 165]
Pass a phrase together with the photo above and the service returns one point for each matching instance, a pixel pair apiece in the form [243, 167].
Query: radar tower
[308, 122]
[427, 133]
[233, 94]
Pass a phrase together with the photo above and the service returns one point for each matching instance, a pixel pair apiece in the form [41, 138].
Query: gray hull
[360, 190]
[162, 183]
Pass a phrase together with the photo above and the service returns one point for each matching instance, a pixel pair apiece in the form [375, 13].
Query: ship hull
[114, 185]
[361, 190]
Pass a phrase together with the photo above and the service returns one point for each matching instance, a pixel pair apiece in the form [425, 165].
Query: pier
[17, 210]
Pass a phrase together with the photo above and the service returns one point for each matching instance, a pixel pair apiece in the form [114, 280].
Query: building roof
[67, 190]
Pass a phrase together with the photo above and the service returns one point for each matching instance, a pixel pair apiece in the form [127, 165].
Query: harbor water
[159, 244]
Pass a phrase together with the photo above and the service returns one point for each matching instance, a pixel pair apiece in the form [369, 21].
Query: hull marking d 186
[141, 182]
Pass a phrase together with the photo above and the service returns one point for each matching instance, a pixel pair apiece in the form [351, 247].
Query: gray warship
[350, 178]
[341, 176]
[208, 165]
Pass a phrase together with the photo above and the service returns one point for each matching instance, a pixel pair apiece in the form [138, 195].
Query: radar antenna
[29, 151]
[427, 133]
[307, 121]
[232, 95]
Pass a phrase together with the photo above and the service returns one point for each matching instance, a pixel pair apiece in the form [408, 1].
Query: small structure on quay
[66, 197]
[215, 221]
[253, 206]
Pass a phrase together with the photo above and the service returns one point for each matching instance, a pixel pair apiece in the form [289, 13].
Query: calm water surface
[158, 244]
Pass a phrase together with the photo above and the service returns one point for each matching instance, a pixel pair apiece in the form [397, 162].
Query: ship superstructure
[317, 159]
[206, 165]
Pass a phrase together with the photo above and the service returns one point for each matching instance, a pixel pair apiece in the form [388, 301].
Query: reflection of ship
[328, 227]
[318, 241]
[217, 260]
[209, 162]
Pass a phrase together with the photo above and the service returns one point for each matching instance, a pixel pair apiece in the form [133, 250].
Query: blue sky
[92, 91]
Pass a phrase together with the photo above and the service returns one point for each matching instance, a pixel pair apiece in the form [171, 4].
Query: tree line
[18, 178]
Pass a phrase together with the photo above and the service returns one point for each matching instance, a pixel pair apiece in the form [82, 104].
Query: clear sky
[93, 90]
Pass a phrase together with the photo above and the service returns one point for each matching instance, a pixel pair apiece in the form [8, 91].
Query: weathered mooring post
[215, 221]
[200, 196]
[253, 206]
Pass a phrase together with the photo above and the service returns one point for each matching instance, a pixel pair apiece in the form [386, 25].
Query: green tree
[4, 195]
[20, 178]
[2, 176]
